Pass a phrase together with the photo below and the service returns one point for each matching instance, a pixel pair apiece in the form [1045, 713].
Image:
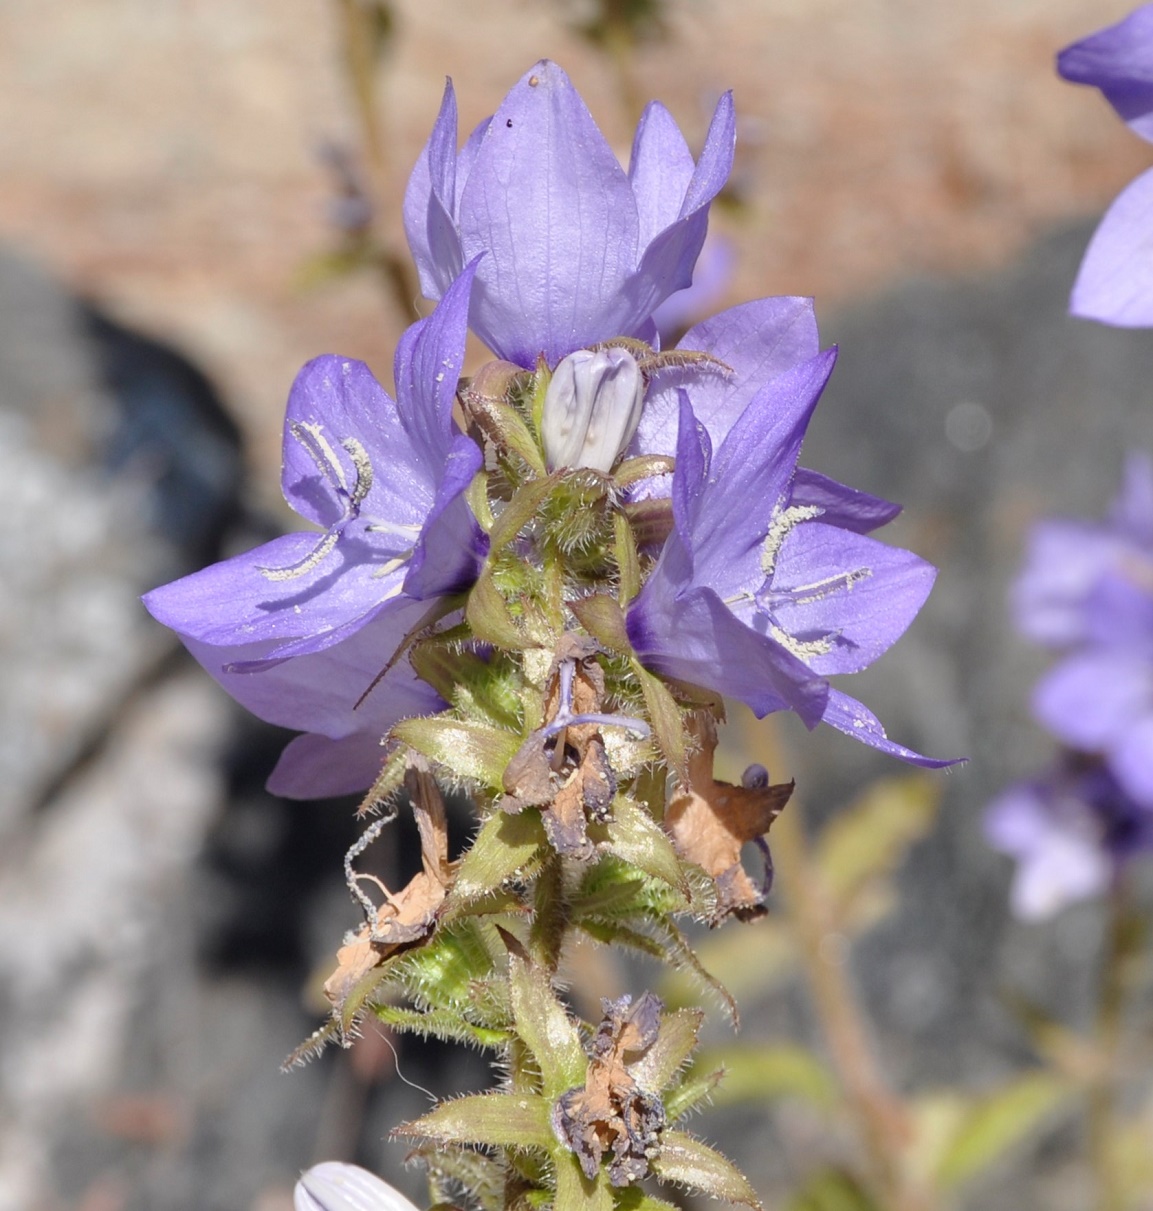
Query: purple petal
[1090, 699]
[547, 198]
[430, 205]
[841, 506]
[758, 341]
[315, 767]
[1132, 511]
[712, 276]
[854, 719]
[811, 595]
[697, 640]
[236, 603]
[1131, 759]
[318, 692]
[694, 454]
[660, 170]
[751, 472]
[1119, 61]
[1115, 283]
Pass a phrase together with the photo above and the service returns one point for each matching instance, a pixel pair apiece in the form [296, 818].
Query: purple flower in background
[579, 250]
[1115, 284]
[768, 585]
[711, 278]
[1069, 831]
[298, 629]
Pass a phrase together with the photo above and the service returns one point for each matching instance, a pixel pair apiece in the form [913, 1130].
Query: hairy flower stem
[880, 1118]
[550, 916]
[360, 28]
[1110, 1016]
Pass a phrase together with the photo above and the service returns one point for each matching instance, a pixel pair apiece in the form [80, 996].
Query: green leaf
[445, 1024]
[628, 563]
[495, 1120]
[869, 839]
[545, 1027]
[675, 1041]
[476, 686]
[633, 1198]
[635, 837]
[697, 1087]
[522, 509]
[488, 615]
[574, 1191]
[665, 716]
[505, 846]
[832, 1190]
[469, 750]
[603, 618]
[500, 420]
[761, 1073]
[447, 968]
[689, 1162]
[613, 933]
[997, 1122]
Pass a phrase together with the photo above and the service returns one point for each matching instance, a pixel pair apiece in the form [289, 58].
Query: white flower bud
[592, 408]
[334, 1186]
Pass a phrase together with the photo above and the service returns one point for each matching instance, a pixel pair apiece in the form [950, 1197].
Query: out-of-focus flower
[768, 585]
[335, 1186]
[1087, 590]
[298, 629]
[711, 278]
[579, 250]
[1115, 284]
[1069, 832]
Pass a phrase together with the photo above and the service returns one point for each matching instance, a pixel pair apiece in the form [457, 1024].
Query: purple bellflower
[1070, 831]
[1115, 283]
[768, 584]
[1087, 590]
[579, 251]
[298, 629]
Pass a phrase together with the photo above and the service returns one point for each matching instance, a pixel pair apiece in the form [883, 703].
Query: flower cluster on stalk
[1086, 592]
[541, 597]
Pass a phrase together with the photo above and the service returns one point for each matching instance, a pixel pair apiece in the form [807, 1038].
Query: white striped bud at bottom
[335, 1186]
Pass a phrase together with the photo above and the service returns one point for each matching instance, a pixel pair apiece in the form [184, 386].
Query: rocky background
[163, 920]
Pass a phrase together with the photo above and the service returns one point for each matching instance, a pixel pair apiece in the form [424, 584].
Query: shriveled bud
[592, 408]
[334, 1186]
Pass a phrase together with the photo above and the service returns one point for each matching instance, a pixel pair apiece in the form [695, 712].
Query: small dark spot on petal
[509, 123]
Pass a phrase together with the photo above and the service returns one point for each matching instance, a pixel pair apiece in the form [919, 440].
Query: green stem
[550, 920]
[881, 1119]
[1110, 1017]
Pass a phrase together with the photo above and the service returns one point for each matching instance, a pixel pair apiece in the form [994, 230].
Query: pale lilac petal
[1132, 511]
[866, 614]
[1065, 560]
[1019, 819]
[318, 692]
[1071, 866]
[699, 641]
[1089, 699]
[849, 508]
[755, 465]
[854, 719]
[1115, 283]
[757, 341]
[430, 205]
[660, 170]
[549, 202]
[315, 767]
[1131, 758]
[335, 1186]
[1119, 61]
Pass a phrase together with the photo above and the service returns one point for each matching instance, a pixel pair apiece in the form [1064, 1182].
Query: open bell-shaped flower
[579, 250]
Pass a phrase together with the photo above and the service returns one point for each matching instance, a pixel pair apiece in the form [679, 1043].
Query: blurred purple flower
[1069, 831]
[711, 278]
[1115, 283]
[298, 629]
[579, 251]
[768, 585]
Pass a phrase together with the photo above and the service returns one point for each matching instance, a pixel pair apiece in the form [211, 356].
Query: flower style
[768, 585]
[579, 251]
[1115, 283]
[1070, 832]
[298, 630]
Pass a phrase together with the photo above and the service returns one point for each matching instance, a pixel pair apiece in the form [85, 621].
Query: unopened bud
[335, 1186]
[592, 408]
